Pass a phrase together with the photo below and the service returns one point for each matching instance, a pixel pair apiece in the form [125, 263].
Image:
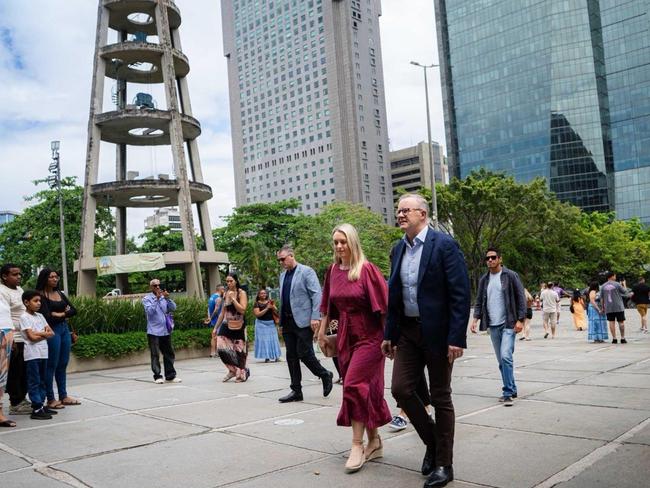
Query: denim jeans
[503, 341]
[36, 381]
[58, 357]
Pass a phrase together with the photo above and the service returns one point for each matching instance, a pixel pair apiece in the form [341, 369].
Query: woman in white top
[6, 340]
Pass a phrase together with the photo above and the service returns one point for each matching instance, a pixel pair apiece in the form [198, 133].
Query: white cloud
[49, 98]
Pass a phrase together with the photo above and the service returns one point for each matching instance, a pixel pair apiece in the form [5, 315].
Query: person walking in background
[56, 308]
[12, 293]
[6, 341]
[577, 309]
[595, 315]
[214, 309]
[560, 294]
[232, 345]
[267, 344]
[300, 321]
[400, 421]
[157, 307]
[641, 297]
[611, 299]
[525, 333]
[355, 293]
[426, 325]
[550, 303]
[35, 332]
[501, 307]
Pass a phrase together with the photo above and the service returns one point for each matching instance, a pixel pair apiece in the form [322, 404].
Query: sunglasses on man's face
[491, 258]
[281, 260]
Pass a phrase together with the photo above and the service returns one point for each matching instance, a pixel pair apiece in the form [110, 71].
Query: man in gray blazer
[299, 317]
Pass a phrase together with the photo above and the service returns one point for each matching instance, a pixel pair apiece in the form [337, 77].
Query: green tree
[313, 243]
[526, 222]
[32, 240]
[252, 235]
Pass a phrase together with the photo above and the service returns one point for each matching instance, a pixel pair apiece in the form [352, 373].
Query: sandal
[70, 401]
[55, 405]
[230, 375]
[7, 423]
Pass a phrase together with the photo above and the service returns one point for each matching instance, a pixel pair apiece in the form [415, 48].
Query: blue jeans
[503, 341]
[36, 381]
[59, 355]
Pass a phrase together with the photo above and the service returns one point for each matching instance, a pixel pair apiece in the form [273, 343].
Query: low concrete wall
[77, 365]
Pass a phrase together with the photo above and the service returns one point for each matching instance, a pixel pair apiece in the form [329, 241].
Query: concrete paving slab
[328, 473]
[93, 436]
[493, 388]
[75, 380]
[561, 419]
[230, 411]
[71, 414]
[478, 451]
[9, 462]
[464, 404]
[164, 395]
[29, 478]
[641, 437]
[627, 380]
[627, 467]
[203, 461]
[532, 373]
[591, 363]
[630, 398]
[642, 367]
[90, 390]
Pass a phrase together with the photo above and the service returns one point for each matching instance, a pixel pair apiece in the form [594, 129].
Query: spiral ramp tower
[143, 124]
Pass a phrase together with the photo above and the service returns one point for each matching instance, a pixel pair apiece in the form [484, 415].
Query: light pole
[54, 180]
[434, 198]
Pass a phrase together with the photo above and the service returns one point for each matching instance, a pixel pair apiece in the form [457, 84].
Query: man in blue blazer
[426, 326]
[299, 317]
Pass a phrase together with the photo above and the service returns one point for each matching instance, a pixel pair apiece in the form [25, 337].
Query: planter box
[77, 365]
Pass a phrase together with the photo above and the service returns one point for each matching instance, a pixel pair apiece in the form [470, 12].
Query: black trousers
[17, 377]
[157, 345]
[422, 391]
[299, 343]
[411, 358]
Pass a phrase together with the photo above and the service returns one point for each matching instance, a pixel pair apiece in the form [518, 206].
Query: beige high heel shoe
[356, 459]
[376, 452]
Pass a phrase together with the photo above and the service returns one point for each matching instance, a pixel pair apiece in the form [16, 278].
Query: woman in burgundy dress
[355, 293]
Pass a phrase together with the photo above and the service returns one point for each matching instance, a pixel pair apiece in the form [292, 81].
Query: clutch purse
[330, 347]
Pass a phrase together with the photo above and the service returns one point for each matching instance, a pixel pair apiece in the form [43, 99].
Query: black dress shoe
[327, 383]
[440, 477]
[291, 397]
[429, 461]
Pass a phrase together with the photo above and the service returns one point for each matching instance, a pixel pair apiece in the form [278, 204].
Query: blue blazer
[443, 293]
[305, 295]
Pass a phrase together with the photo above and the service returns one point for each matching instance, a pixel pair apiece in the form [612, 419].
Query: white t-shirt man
[14, 298]
[549, 300]
[37, 323]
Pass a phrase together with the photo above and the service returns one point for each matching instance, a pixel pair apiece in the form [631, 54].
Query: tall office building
[307, 102]
[411, 167]
[165, 216]
[554, 89]
[7, 216]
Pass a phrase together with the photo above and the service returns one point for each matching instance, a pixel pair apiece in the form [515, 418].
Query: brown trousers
[411, 357]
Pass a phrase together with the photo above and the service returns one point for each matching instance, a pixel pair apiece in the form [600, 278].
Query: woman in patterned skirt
[596, 317]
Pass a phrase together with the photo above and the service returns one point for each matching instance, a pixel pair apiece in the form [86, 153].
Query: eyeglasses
[281, 260]
[405, 211]
[491, 258]
[156, 286]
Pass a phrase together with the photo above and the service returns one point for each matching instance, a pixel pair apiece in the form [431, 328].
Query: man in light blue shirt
[157, 305]
[409, 272]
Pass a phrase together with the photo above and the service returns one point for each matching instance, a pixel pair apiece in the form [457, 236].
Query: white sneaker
[175, 380]
[159, 381]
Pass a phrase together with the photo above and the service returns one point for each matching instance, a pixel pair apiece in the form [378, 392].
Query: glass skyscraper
[307, 103]
[557, 89]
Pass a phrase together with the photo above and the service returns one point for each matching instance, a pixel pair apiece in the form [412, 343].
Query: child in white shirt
[35, 331]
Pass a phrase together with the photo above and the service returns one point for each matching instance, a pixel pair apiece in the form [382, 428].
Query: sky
[46, 70]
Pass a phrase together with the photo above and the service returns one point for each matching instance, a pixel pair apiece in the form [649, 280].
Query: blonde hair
[357, 258]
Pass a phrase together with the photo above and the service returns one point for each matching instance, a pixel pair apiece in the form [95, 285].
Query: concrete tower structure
[147, 51]
[307, 104]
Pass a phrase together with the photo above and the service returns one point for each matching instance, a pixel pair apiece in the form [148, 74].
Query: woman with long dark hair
[267, 344]
[231, 331]
[56, 308]
[596, 316]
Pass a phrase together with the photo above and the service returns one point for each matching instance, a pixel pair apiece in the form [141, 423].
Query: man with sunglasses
[501, 305]
[299, 320]
[426, 326]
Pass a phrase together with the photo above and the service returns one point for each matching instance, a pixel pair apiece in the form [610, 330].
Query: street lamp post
[434, 198]
[54, 180]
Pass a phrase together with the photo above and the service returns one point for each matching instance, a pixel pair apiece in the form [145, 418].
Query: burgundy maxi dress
[358, 306]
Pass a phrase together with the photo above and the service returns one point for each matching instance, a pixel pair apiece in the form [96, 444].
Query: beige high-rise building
[411, 167]
[307, 102]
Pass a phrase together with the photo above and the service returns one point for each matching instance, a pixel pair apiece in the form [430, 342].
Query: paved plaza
[582, 420]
